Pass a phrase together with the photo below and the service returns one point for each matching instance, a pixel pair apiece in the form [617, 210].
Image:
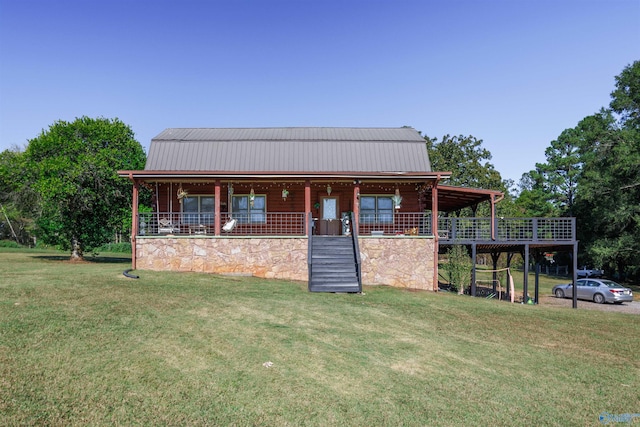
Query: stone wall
[399, 262]
[261, 257]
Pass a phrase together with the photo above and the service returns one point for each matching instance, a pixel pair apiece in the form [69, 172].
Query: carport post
[473, 269]
[575, 274]
[526, 274]
[535, 298]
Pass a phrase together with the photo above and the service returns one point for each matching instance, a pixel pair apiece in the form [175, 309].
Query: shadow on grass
[89, 259]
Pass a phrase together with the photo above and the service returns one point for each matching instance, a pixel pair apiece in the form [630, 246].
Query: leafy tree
[608, 204]
[467, 160]
[469, 164]
[459, 267]
[72, 167]
[17, 203]
[562, 170]
[608, 197]
[626, 97]
[534, 198]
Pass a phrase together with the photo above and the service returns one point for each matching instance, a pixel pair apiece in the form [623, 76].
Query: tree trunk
[76, 250]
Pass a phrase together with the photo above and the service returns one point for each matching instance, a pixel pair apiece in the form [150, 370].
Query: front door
[330, 223]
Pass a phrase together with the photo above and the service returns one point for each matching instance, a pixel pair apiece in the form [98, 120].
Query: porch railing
[406, 224]
[390, 224]
[265, 224]
[254, 224]
[508, 229]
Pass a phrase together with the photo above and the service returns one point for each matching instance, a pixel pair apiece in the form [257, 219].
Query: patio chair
[165, 225]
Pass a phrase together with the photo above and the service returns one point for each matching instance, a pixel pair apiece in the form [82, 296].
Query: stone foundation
[260, 257]
[399, 262]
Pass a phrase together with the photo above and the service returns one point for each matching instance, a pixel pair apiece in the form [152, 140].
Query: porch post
[493, 218]
[356, 206]
[307, 206]
[216, 216]
[134, 221]
[434, 231]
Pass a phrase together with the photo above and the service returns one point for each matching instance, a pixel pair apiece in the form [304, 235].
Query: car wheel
[598, 298]
[559, 293]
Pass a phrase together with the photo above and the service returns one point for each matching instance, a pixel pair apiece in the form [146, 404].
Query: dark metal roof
[286, 150]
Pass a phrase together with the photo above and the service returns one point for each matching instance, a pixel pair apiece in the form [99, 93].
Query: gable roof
[309, 150]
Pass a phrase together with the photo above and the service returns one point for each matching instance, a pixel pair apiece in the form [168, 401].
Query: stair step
[330, 260]
[338, 289]
[335, 254]
[333, 265]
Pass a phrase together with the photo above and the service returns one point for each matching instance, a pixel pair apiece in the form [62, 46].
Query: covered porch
[396, 206]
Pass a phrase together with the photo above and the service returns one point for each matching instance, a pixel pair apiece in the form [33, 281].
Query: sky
[513, 73]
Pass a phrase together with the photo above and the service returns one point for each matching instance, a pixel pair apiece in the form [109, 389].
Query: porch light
[329, 189]
[252, 196]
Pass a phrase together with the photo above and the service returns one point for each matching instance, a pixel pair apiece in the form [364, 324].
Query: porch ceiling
[452, 198]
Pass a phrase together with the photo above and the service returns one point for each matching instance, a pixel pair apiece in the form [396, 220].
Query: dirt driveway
[627, 307]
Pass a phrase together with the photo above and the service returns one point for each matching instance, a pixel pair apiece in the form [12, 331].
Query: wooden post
[434, 231]
[134, 221]
[493, 218]
[216, 208]
[307, 207]
[356, 207]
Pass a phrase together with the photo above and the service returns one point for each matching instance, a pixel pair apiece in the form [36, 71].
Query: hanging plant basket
[181, 193]
[397, 201]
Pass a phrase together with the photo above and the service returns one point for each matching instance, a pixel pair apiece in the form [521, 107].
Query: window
[198, 210]
[245, 213]
[376, 209]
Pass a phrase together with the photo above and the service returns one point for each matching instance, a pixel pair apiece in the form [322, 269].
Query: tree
[72, 167]
[608, 197]
[534, 198]
[468, 162]
[459, 266]
[18, 203]
[626, 97]
[562, 170]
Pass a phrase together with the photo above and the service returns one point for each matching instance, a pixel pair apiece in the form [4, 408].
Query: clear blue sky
[512, 73]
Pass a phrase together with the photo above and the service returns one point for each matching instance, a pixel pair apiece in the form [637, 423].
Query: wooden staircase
[333, 265]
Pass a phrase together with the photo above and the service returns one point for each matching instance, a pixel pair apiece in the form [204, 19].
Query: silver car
[596, 290]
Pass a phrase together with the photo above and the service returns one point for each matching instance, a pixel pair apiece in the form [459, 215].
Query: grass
[80, 344]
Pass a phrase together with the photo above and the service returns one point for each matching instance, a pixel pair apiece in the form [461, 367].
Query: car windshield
[610, 284]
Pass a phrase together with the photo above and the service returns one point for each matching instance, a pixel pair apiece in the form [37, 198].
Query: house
[336, 207]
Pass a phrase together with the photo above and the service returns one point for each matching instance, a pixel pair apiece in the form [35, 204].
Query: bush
[9, 244]
[459, 267]
[124, 247]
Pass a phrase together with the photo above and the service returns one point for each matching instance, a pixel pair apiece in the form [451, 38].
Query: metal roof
[286, 150]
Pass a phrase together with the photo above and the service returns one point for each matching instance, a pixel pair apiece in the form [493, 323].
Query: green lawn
[80, 344]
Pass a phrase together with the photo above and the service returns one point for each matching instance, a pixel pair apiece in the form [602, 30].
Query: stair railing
[310, 227]
[356, 250]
